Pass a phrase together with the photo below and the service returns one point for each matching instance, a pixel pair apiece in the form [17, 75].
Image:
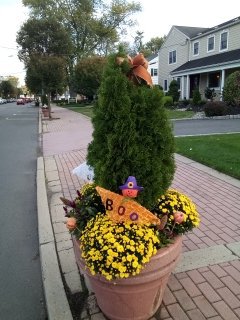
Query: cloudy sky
[155, 20]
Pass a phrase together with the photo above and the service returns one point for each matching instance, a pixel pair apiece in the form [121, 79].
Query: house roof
[152, 56]
[191, 31]
[221, 58]
[221, 26]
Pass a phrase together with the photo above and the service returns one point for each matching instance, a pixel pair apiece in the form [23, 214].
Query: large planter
[45, 112]
[138, 297]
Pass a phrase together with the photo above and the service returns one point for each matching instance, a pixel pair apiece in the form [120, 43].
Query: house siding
[178, 41]
[233, 42]
[196, 75]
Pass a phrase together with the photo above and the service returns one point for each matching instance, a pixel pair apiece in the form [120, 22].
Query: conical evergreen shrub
[132, 136]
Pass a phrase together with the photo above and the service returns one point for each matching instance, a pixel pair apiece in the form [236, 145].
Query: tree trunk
[49, 105]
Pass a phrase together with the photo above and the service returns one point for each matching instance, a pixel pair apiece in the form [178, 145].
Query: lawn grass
[87, 111]
[172, 114]
[178, 114]
[220, 152]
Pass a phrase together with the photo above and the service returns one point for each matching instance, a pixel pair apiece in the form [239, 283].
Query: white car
[2, 101]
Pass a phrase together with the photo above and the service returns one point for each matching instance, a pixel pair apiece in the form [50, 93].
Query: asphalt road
[21, 292]
[205, 126]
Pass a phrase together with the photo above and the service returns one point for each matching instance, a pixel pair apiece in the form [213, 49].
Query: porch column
[187, 87]
[222, 82]
[182, 87]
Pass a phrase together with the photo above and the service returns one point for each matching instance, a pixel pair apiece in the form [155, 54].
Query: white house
[199, 57]
[153, 67]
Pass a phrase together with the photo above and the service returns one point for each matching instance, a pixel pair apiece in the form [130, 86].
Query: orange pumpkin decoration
[178, 216]
[71, 223]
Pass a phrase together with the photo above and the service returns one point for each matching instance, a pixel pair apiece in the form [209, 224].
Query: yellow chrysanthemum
[122, 249]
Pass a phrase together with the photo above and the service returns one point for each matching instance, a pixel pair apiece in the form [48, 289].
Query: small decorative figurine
[130, 188]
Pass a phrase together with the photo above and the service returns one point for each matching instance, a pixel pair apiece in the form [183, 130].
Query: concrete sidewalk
[205, 284]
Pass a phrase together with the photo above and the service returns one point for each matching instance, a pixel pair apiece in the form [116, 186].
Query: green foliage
[173, 90]
[44, 100]
[138, 41]
[215, 108]
[46, 74]
[7, 89]
[132, 136]
[231, 91]
[159, 86]
[84, 207]
[167, 101]
[210, 93]
[196, 100]
[93, 26]
[43, 37]
[149, 48]
[88, 74]
[76, 29]
[154, 44]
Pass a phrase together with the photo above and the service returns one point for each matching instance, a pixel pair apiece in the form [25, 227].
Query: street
[21, 292]
[205, 126]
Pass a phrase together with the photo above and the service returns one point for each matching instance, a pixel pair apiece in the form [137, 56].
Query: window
[172, 57]
[196, 48]
[214, 80]
[154, 72]
[179, 83]
[165, 85]
[224, 40]
[211, 42]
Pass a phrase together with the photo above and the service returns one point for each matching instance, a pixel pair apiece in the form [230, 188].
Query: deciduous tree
[88, 74]
[46, 75]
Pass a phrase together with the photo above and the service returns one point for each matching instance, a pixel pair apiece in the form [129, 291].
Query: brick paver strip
[231, 284]
[177, 312]
[184, 300]
[205, 307]
[190, 287]
[163, 313]
[174, 284]
[195, 314]
[235, 274]
[224, 311]
[232, 301]
[213, 279]
[168, 297]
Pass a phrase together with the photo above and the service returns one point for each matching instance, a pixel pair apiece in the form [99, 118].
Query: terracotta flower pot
[138, 297]
[45, 112]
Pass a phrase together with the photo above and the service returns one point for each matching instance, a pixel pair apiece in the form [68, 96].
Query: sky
[155, 20]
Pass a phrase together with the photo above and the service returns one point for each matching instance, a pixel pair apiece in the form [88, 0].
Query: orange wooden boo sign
[120, 208]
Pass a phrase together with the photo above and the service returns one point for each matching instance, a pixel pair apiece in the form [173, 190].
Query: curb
[55, 296]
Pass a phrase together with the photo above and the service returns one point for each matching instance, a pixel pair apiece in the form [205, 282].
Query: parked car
[2, 101]
[20, 101]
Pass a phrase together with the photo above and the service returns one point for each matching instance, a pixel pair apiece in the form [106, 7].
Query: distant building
[153, 67]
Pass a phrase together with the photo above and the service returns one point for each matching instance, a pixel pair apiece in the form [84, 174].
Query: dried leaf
[164, 220]
[66, 201]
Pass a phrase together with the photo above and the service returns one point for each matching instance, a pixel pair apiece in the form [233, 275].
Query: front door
[194, 83]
